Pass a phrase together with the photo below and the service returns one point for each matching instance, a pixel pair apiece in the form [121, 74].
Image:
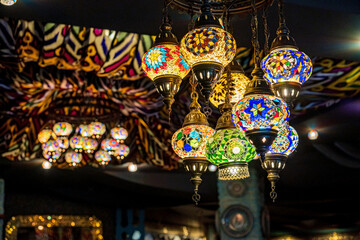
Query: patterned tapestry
[44, 62]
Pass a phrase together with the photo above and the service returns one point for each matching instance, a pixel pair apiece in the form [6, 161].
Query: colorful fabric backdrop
[43, 62]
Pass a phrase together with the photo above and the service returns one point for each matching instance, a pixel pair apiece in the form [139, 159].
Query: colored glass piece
[229, 146]
[192, 142]
[84, 130]
[163, 60]
[286, 141]
[208, 44]
[44, 135]
[282, 65]
[62, 129]
[260, 112]
[237, 88]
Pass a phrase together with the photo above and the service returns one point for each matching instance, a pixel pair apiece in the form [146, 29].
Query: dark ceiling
[318, 188]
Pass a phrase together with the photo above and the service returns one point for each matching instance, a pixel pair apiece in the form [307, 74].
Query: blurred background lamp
[313, 134]
[132, 167]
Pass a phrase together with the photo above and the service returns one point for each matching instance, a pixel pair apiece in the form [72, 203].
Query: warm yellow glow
[208, 44]
[237, 88]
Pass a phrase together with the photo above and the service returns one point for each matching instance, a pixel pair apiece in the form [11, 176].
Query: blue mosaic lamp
[285, 67]
[275, 160]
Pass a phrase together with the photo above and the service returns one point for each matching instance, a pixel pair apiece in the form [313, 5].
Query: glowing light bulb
[313, 134]
[132, 167]
[46, 165]
[212, 168]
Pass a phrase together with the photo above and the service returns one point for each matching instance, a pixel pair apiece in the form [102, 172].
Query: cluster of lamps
[61, 142]
[255, 113]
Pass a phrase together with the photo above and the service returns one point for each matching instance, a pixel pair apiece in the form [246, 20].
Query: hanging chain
[266, 31]
[194, 95]
[254, 29]
[273, 194]
[281, 13]
[196, 197]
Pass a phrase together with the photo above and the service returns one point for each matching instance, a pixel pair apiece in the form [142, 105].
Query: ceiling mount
[237, 7]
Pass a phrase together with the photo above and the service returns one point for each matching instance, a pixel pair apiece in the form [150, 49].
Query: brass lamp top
[195, 116]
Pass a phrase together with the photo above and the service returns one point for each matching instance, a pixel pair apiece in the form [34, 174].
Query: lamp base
[196, 167]
[207, 74]
[288, 91]
[261, 139]
[273, 164]
[168, 86]
[233, 171]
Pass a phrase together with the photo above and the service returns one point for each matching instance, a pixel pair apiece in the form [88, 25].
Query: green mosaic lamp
[228, 148]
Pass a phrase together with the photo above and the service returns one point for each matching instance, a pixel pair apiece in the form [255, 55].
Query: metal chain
[266, 31]
[273, 194]
[254, 29]
[281, 12]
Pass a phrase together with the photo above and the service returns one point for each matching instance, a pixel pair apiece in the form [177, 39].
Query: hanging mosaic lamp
[285, 67]
[44, 135]
[73, 158]
[8, 2]
[122, 151]
[77, 143]
[119, 134]
[275, 160]
[97, 129]
[52, 156]
[208, 48]
[102, 157]
[260, 114]
[164, 63]
[63, 144]
[90, 145]
[110, 145]
[50, 147]
[62, 129]
[84, 130]
[229, 149]
[237, 86]
[189, 143]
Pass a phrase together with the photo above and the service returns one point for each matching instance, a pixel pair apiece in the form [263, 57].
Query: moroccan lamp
[275, 160]
[189, 143]
[119, 134]
[237, 86]
[260, 114]
[164, 63]
[285, 67]
[229, 149]
[208, 48]
[8, 2]
[62, 129]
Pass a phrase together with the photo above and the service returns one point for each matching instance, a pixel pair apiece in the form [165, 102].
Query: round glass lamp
[189, 143]
[97, 129]
[90, 145]
[275, 160]
[237, 86]
[44, 135]
[8, 2]
[122, 151]
[119, 134]
[165, 65]
[102, 157]
[63, 144]
[77, 143]
[62, 129]
[285, 67]
[110, 145]
[208, 48]
[84, 130]
[73, 158]
[50, 147]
